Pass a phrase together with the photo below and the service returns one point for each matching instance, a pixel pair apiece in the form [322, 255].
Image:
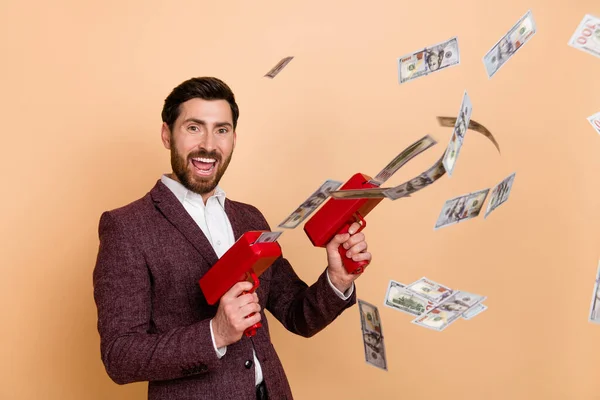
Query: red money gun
[336, 216]
[244, 261]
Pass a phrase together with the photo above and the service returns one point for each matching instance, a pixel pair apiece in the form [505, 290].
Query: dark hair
[207, 88]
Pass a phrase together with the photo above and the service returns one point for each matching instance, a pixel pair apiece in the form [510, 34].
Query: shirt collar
[183, 194]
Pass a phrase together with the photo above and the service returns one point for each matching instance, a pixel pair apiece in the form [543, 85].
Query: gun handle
[251, 331]
[353, 267]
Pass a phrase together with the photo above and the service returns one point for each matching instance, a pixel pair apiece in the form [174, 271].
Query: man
[154, 323]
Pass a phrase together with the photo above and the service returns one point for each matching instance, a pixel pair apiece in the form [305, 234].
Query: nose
[207, 142]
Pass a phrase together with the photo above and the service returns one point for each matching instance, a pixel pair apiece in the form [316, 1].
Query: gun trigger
[255, 282]
[362, 222]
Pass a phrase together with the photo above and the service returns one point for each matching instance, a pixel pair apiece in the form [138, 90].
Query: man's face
[371, 340]
[504, 47]
[201, 143]
[433, 62]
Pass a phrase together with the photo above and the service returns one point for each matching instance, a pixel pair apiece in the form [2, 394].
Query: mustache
[205, 154]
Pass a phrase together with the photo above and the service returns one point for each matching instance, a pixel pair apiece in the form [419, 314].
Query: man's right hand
[230, 322]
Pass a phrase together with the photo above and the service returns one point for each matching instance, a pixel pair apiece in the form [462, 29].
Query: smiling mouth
[204, 166]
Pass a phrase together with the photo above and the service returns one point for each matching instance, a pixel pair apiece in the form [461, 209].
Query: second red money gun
[246, 260]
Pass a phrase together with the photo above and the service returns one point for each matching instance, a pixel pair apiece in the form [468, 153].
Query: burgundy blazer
[153, 319]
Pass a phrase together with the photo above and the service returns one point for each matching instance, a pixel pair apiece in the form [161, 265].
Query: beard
[182, 169]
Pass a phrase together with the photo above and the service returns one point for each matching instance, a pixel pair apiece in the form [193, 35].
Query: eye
[193, 128]
[223, 130]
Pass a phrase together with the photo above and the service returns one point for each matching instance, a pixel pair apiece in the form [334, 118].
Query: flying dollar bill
[428, 60]
[458, 136]
[461, 301]
[461, 208]
[268, 237]
[372, 335]
[277, 68]
[587, 36]
[595, 121]
[430, 290]
[405, 156]
[449, 311]
[500, 194]
[595, 307]
[400, 160]
[506, 47]
[435, 172]
[368, 193]
[449, 122]
[437, 319]
[402, 299]
[310, 204]
[474, 311]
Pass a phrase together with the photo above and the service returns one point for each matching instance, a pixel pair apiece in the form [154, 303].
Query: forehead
[206, 110]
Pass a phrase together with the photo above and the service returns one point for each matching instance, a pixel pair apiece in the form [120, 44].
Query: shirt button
[218, 242]
[248, 364]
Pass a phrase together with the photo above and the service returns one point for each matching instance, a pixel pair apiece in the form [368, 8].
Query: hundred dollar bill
[310, 205]
[506, 47]
[405, 156]
[595, 121]
[587, 36]
[461, 301]
[449, 122]
[372, 335]
[473, 311]
[595, 307]
[268, 237]
[461, 208]
[428, 60]
[448, 311]
[435, 172]
[500, 194]
[458, 136]
[369, 193]
[437, 319]
[402, 299]
[430, 290]
[277, 68]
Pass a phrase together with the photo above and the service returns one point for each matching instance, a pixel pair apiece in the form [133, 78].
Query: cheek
[227, 147]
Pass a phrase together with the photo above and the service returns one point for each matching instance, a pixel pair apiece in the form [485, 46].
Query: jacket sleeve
[122, 291]
[302, 309]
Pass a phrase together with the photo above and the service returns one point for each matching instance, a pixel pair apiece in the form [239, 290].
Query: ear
[234, 138]
[165, 135]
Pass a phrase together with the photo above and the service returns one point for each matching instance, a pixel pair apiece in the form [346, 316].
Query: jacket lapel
[237, 225]
[166, 202]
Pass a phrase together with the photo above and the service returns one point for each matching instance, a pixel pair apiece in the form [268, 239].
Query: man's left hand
[356, 248]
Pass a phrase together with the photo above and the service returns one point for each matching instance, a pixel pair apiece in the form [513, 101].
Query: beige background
[82, 88]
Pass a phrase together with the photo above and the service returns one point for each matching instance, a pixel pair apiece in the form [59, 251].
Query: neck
[206, 196]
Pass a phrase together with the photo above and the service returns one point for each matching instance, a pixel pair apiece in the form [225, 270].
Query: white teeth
[205, 160]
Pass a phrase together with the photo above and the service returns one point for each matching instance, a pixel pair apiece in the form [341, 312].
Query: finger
[354, 239]
[248, 322]
[338, 240]
[354, 228]
[244, 300]
[243, 323]
[238, 289]
[249, 309]
[357, 248]
[364, 256]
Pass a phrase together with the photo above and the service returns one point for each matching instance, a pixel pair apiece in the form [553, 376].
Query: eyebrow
[201, 122]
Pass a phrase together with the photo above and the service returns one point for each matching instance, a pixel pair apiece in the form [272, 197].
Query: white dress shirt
[215, 225]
